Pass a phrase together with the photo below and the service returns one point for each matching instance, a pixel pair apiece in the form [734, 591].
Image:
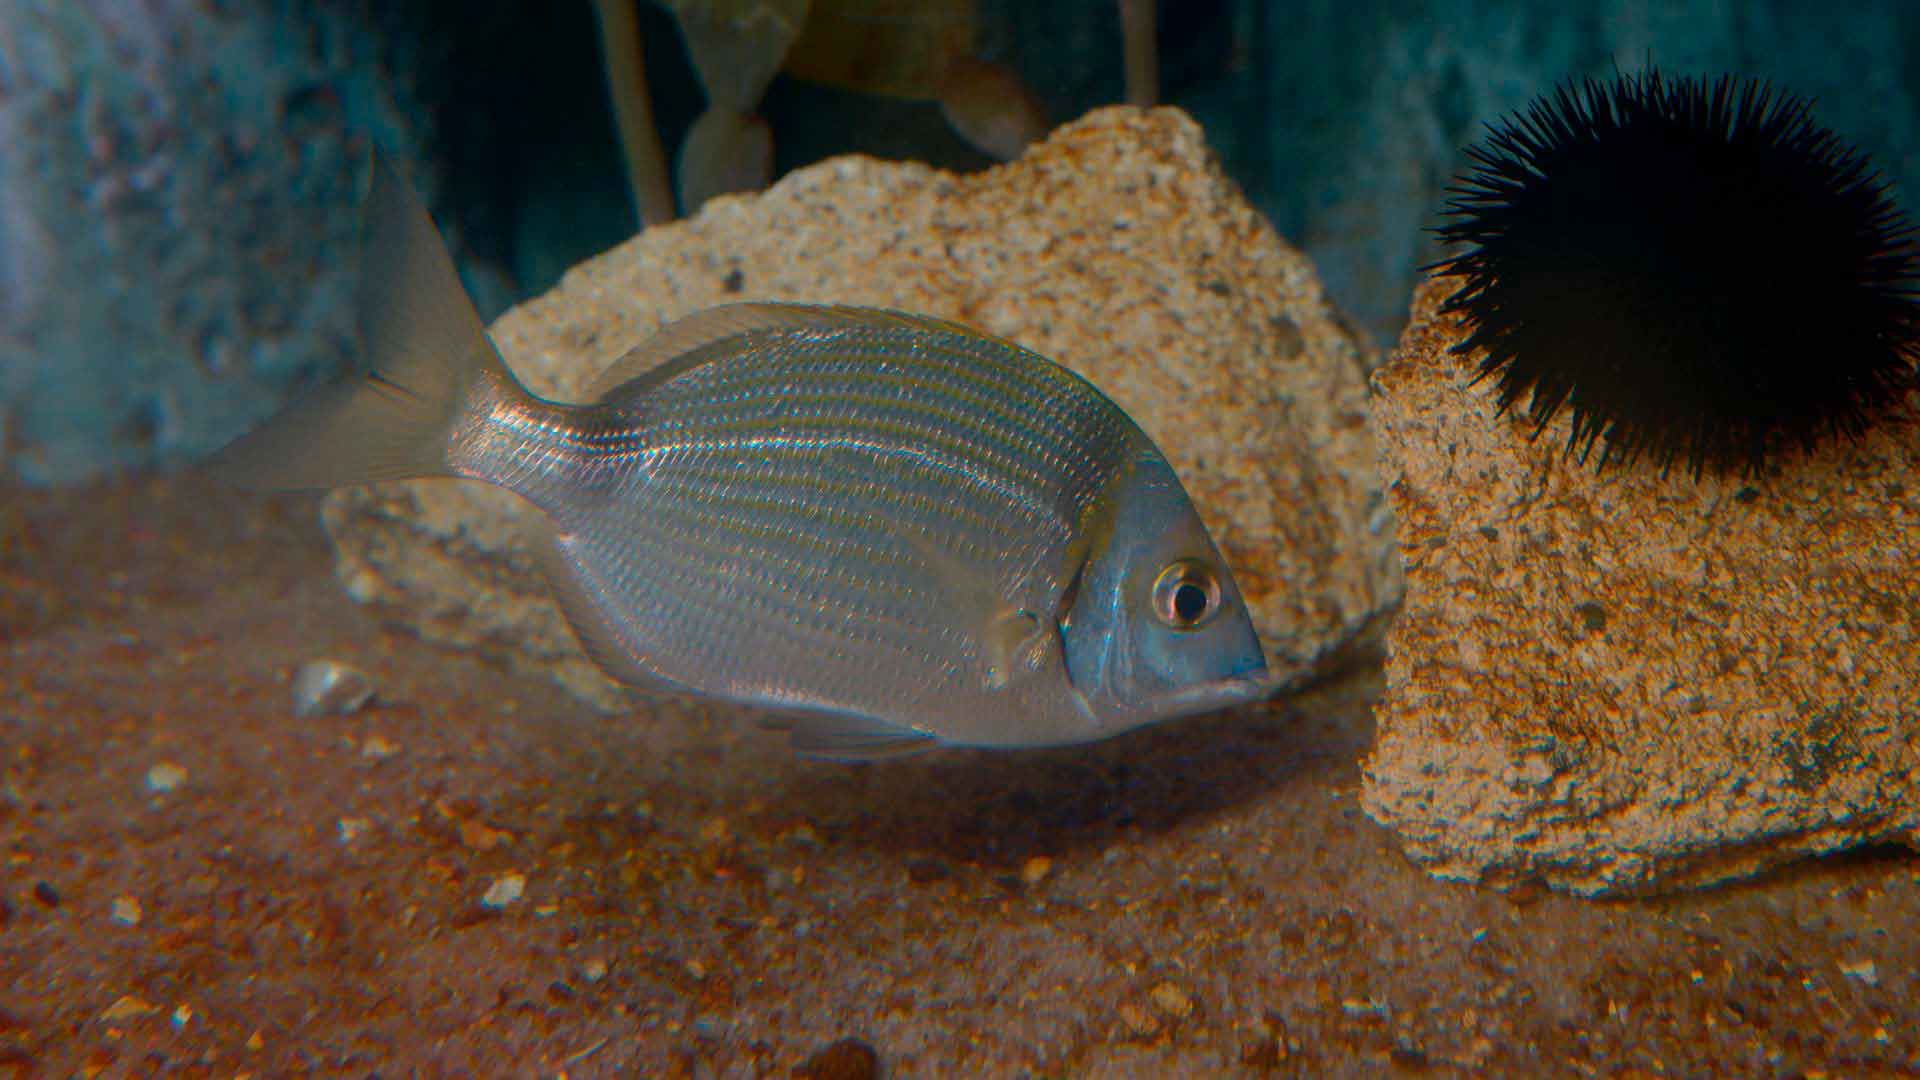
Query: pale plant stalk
[1137, 29]
[620, 44]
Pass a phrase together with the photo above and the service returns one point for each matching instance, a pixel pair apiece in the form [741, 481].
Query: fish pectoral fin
[1016, 646]
[843, 737]
[1013, 643]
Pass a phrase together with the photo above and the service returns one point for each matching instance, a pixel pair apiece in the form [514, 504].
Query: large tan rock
[1116, 247]
[1627, 682]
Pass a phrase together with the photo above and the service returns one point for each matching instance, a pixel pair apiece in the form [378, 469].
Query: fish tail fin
[425, 355]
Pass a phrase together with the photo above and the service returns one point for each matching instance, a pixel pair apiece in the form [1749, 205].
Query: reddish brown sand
[1199, 899]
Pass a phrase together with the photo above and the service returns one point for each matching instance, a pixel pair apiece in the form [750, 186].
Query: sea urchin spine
[1693, 270]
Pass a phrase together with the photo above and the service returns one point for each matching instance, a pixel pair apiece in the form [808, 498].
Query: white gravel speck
[505, 890]
[126, 911]
[329, 688]
[165, 776]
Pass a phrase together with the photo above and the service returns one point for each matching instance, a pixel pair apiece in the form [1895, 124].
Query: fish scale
[888, 529]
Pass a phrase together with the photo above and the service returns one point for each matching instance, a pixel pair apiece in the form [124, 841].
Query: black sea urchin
[1695, 271]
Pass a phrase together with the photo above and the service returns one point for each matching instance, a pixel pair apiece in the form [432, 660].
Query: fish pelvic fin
[425, 354]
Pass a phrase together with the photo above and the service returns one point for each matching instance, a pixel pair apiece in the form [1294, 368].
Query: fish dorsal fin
[681, 345]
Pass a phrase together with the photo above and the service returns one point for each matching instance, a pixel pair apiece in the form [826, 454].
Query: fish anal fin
[679, 346]
[849, 737]
[574, 591]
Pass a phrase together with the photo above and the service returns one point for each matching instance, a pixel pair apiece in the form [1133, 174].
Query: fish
[884, 531]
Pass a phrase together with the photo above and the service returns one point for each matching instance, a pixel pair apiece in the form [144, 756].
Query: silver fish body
[887, 529]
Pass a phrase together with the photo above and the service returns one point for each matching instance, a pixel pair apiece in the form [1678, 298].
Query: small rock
[1861, 971]
[1271, 1046]
[165, 776]
[848, 1059]
[378, 748]
[1262, 1053]
[329, 688]
[351, 828]
[1138, 1020]
[1172, 1000]
[594, 970]
[1036, 870]
[126, 911]
[46, 894]
[480, 836]
[1558, 709]
[182, 1016]
[505, 890]
[254, 1042]
[128, 1008]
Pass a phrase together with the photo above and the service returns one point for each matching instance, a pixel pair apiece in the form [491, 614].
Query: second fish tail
[426, 364]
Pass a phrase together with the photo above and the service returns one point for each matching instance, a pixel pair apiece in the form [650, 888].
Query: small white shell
[329, 688]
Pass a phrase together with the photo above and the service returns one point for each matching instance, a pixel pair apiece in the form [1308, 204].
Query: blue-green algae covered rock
[178, 218]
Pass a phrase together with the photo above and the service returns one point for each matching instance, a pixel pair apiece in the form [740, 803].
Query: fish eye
[1186, 594]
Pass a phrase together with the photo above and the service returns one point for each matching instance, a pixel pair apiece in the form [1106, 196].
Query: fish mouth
[1241, 689]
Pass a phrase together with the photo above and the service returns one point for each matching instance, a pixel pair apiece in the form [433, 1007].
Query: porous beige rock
[1116, 247]
[1630, 682]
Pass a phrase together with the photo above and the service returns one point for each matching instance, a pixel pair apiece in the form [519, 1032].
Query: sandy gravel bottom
[475, 875]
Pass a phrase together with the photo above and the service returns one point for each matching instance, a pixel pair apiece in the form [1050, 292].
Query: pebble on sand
[505, 890]
[165, 776]
[128, 1007]
[1036, 870]
[378, 747]
[1138, 1020]
[329, 688]
[847, 1059]
[1864, 971]
[1172, 1000]
[126, 911]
